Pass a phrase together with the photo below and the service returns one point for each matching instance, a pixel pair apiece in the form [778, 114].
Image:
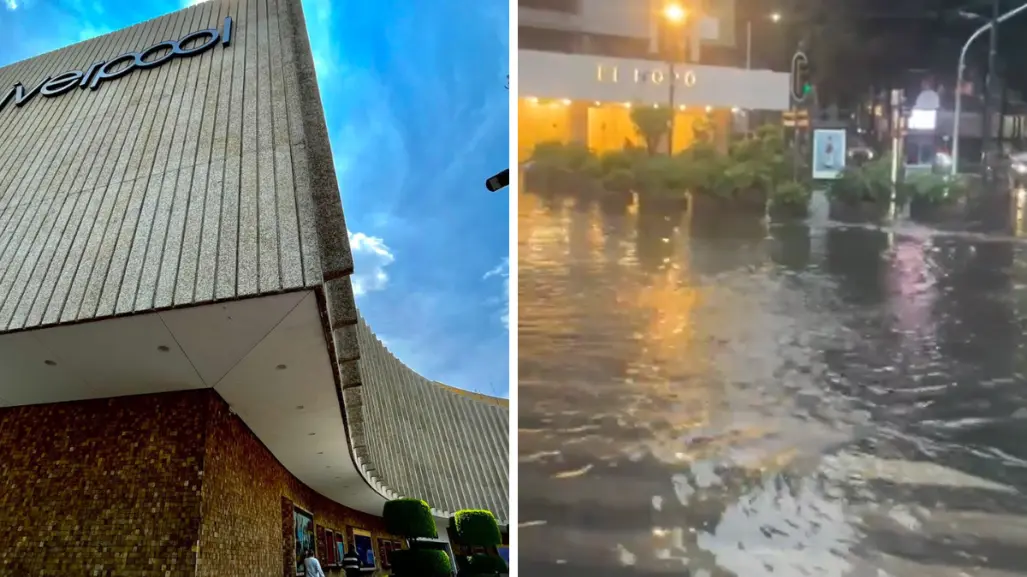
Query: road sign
[795, 118]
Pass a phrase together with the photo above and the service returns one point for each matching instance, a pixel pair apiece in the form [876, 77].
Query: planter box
[711, 204]
[558, 182]
[615, 201]
[865, 211]
[787, 212]
[662, 202]
[920, 211]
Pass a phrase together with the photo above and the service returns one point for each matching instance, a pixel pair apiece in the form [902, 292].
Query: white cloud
[370, 257]
[502, 271]
[11, 4]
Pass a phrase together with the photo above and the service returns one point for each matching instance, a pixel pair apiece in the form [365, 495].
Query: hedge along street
[100, 72]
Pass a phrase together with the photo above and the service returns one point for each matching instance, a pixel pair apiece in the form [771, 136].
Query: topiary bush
[476, 528]
[481, 565]
[411, 518]
[421, 563]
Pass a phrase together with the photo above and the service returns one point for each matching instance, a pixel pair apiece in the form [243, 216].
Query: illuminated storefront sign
[191, 44]
[614, 74]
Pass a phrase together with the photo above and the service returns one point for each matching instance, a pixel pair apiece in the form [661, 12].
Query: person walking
[312, 565]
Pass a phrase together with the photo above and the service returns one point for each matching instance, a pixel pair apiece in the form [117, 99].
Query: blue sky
[418, 117]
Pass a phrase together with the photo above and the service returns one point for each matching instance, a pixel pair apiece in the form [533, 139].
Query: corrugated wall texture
[210, 178]
[445, 446]
[192, 181]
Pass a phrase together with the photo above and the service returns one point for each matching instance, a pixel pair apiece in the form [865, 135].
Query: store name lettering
[614, 74]
[191, 44]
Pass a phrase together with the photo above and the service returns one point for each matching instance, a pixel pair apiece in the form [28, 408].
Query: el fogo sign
[191, 44]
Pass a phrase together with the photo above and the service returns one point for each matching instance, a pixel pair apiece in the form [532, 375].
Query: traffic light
[801, 86]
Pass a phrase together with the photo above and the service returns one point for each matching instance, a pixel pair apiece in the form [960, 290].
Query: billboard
[829, 153]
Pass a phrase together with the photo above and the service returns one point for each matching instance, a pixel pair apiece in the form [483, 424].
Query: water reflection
[723, 398]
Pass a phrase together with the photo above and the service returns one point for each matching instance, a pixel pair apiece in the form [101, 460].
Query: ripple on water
[840, 401]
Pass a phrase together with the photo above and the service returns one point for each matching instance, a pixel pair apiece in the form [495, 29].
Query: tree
[652, 124]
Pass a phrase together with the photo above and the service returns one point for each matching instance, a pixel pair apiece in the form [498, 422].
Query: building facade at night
[185, 378]
[584, 63]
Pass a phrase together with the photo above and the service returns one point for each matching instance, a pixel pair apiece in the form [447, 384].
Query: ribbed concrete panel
[418, 438]
[210, 178]
[178, 184]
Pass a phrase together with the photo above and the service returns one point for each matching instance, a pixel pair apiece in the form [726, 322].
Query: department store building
[584, 64]
[186, 384]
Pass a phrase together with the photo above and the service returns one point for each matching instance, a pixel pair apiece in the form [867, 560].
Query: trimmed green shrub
[791, 194]
[934, 189]
[565, 156]
[619, 180]
[410, 518]
[870, 182]
[747, 175]
[628, 158]
[481, 565]
[476, 528]
[421, 563]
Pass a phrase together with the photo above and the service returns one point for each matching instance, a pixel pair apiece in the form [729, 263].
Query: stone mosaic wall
[169, 485]
[247, 500]
[105, 488]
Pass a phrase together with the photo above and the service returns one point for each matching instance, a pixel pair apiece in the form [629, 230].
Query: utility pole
[989, 84]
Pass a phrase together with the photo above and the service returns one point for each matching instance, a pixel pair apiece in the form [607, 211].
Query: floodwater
[714, 398]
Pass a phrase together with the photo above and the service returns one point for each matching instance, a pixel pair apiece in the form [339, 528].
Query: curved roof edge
[413, 437]
[408, 435]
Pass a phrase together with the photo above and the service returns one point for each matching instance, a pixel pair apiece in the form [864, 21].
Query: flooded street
[724, 398]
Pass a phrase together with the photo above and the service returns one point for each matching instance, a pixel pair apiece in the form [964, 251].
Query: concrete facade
[193, 185]
[714, 20]
[439, 441]
[604, 79]
[587, 98]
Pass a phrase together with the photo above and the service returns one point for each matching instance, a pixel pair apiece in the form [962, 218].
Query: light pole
[775, 17]
[989, 83]
[675, 16]
[958, 108]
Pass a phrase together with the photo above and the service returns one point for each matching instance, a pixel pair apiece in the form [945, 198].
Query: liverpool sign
[191, 44]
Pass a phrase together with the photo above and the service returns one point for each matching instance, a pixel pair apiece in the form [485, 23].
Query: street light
[675, 15]
[498, 181]
[958, 108]
[775, 17]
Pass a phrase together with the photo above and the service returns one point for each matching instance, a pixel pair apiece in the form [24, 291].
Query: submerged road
[727, 399]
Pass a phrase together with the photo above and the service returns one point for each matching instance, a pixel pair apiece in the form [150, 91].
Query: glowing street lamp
[775, 17]
[674, 13]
